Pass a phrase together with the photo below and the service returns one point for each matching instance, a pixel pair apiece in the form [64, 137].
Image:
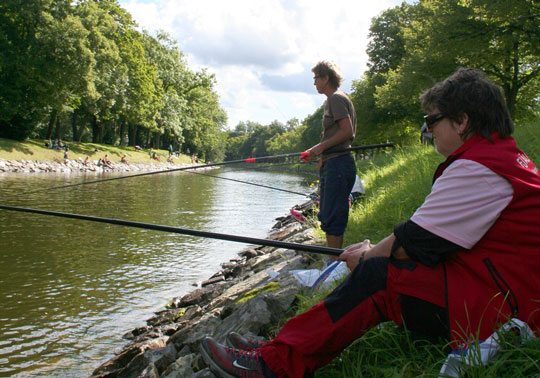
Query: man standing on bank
[337, 171]
[462, 265]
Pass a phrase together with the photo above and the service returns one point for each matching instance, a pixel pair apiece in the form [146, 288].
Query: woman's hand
[353, 253]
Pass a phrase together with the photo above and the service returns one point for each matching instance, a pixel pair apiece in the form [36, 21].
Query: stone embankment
[67, 166]
[250, 295]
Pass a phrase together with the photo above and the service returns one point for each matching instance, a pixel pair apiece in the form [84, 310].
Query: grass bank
[396, 184]
[34, 149]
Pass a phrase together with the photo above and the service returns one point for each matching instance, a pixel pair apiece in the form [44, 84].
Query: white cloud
[262, 51]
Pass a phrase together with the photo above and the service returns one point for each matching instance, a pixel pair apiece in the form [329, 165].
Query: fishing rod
[364, 147]
[184, 231]
[249, 183]
[248, 160]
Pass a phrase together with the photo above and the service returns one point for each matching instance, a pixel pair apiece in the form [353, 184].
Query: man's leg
[334, 241]
[337, 177]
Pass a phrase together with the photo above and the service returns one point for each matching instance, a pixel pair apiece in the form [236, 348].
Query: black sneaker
[235, 340]
[228, 362]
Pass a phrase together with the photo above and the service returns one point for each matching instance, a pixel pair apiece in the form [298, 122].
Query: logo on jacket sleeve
[526, 163]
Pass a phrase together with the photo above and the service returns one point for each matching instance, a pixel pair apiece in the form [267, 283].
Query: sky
[262, 51]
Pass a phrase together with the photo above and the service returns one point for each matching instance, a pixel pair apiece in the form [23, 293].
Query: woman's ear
[463, 123]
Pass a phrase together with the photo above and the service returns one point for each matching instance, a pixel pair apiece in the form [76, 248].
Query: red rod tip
[250, 160]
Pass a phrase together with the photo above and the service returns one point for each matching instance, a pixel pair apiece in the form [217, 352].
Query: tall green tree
[171, 74]
[44, 63]
[205, 120]
[507, 41]
[109, 73]
[142, 93]
[500, 37]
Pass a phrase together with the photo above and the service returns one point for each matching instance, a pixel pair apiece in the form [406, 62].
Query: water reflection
[70, 289]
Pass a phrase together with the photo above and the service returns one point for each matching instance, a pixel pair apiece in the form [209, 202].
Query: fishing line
[184, 231]
[248, 160]
[249, 183]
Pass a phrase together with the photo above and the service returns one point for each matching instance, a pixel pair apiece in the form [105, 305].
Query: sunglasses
[432, 119]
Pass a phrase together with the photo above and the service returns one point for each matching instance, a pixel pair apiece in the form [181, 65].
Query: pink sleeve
[464, 203]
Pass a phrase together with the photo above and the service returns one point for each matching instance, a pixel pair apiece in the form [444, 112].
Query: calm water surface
[70, 289]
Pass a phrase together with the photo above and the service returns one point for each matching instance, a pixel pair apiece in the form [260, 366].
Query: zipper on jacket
[505, 289]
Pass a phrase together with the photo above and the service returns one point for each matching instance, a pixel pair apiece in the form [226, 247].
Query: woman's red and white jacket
[499, 277]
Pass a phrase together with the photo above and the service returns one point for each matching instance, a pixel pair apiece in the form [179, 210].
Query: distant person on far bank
[337, 170]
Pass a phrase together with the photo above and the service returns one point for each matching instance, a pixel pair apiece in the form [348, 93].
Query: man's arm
[345, 132]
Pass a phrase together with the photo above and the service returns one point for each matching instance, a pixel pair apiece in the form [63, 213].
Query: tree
[507, 46]
[39, 43]
[65, 64]
[311, 135]
[109, 74]
[502, 38]
[141, 95]
[386, 47]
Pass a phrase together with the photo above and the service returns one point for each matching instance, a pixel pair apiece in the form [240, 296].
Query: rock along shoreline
[78, 166]
[250, 295]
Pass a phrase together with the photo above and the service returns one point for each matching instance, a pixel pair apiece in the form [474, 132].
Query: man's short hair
[469, 91]
[330, 69]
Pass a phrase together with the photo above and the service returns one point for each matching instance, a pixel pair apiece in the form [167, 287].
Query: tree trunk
[74, 130]
[82, 130]
[132, 133]
[52, 121]
[149, 139]
[122, 132]
[101, 129]
[95, 129]
[58, 135]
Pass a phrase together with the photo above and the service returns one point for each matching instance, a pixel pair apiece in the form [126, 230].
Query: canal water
[69, 289]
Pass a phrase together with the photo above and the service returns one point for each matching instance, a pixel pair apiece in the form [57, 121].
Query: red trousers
[312, 339]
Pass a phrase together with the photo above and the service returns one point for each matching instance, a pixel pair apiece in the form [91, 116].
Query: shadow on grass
[15, 146]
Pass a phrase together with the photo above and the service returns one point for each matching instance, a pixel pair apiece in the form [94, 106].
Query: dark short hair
[469, 91]
[330, 69]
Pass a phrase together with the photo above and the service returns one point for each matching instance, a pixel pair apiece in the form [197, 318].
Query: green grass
[36, 150]
[396, 184]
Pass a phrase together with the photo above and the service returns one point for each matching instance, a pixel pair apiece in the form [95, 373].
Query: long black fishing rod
[249, 183]
[248, 160]
[184, 231]
[365, 147]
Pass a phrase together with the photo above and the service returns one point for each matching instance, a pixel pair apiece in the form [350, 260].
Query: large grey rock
[116, 365]
[260, 314]
[159, 358]
[181, 368]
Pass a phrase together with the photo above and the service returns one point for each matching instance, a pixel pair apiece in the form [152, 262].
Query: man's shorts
[337, 177]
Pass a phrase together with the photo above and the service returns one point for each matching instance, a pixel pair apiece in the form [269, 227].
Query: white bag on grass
[320, 279]
[483, 352]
